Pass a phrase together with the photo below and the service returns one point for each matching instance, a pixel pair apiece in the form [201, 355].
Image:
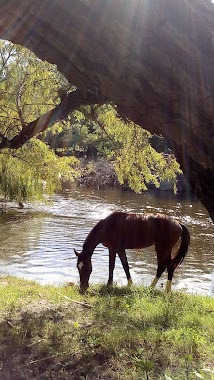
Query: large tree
[153, 58]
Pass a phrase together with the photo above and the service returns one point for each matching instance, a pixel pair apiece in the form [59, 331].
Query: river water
[37, 242]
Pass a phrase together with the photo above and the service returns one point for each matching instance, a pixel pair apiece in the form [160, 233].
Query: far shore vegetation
[120, 333]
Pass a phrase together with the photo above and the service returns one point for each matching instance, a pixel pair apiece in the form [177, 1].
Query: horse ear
[76, 253]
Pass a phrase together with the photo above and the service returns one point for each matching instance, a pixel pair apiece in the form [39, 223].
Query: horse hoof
[109, 284]
[83, 290]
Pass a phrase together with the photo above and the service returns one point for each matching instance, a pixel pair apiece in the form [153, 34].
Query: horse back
[122, 230]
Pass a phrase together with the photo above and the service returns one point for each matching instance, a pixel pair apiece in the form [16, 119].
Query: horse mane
[92, 240]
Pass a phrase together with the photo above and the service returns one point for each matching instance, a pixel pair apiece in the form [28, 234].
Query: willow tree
[128, 147]
[101, 132]
[28, 88]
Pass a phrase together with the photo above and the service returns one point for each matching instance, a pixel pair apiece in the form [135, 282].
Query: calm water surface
[37, 242]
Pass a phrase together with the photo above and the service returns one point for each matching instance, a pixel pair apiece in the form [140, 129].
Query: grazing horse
[120, 230]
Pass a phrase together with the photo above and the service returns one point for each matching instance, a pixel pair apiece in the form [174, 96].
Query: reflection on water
[37, 242]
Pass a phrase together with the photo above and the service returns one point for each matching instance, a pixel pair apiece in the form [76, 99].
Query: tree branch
[69, 103]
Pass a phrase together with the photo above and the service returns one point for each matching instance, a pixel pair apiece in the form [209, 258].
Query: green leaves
[126, 145]
[137, 164]
[28, 88]
[33, 171]
[76, 325]
[144, 365]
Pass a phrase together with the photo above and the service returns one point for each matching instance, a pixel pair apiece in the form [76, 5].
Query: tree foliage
[34, 170]
[136, 162]
[29, 88]
[126, 145]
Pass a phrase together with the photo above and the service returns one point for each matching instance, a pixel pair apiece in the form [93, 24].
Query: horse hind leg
[170, 265]
[170, 270]
[163, 260]
[160, 269]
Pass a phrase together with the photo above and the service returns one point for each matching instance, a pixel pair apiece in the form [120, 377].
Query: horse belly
[130, 234]
[138, 242]
[126, 242]
[136, 239]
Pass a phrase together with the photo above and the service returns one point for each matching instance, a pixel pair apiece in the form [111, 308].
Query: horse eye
[80, 265]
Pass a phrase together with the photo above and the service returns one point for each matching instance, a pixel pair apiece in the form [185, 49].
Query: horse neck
[92, 240]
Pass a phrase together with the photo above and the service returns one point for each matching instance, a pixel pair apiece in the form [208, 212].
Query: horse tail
[182, 250]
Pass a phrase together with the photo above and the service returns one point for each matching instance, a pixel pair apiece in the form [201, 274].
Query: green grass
[132, 333]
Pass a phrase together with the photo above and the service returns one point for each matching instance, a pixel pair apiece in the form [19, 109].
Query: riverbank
[124, 333]
[100, 174]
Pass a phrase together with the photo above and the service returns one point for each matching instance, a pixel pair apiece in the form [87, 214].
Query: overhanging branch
[69, 103]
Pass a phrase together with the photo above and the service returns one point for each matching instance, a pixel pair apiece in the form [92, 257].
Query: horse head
[85, 268]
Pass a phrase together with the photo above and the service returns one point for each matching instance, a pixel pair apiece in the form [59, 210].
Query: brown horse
[121, 230]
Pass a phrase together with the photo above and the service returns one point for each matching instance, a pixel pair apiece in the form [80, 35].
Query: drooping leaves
[33, 171]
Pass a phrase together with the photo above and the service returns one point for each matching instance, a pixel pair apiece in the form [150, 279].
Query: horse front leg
[124, 261]
[112, 257]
